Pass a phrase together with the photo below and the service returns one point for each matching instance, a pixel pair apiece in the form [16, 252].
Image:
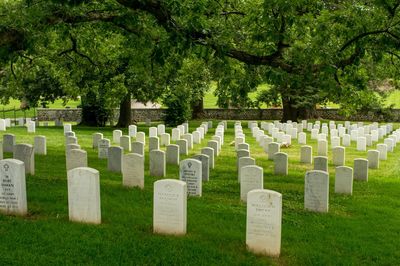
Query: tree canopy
[310, 52]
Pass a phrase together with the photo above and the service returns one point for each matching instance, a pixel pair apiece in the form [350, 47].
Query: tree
[307, 50]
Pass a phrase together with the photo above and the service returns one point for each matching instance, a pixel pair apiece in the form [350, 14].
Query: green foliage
[187, 87]
[310, 52]
[179, 110]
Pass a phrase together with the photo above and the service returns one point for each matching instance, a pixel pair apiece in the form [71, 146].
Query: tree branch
[76, 51]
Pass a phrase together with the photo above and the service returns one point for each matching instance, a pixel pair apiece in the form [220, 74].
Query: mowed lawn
[362, 229]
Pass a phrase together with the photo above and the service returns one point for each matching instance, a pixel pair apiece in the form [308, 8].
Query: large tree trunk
[290, 112]
[197, 108]
[93, 113]
[125, 113]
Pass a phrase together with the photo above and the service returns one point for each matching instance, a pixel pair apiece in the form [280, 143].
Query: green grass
[7, 111]
[359, 229]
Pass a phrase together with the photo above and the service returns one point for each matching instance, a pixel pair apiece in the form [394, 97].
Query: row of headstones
[24, 152]
[84, 198]
[290, 131]
[264, 207]
[31, 125]
[340, 128]
[320, 163]
[132, 164]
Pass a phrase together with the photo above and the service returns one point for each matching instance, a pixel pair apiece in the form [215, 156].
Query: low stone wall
[141, 115]
[66, 114]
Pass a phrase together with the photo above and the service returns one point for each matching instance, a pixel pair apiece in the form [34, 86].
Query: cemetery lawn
[362, 229]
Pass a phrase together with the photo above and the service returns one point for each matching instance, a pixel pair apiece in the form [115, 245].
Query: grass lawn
[7, 111]
[359, 229]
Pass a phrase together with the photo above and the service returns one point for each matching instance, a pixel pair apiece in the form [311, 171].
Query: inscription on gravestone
[190, 171]
[13, 187]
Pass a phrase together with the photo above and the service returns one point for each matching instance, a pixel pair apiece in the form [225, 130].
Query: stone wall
[141, 115]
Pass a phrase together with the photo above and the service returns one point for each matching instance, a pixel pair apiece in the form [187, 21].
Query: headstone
[71, 140]
[346, 140]
[69, 134]
[183, 146]
[169, 209]
[344, 180]
[196, 137]
[382, 148]
[244, 161]
[1, 151]
[264, 222]
[114, 163]
[132, 131]
[390, 144]
[189, 138]
[125, 142]
[322, 148]
[141, 137]
[40, 145]
[8, 142]
[273, 148]
[373, 159]
[210, 153]
[25, 153]
[102, 149]
[240, 154]
[316, 191]
[175, 134]
[76, 158]
[306, 154]
[157, 163]
[13, 193]
[84, 195]
[3, 125]
[133, 170]
[302, 139]
[361, 144]
[31, 127]
[117, 135]
[335, 142]
[205, 165]
[165, 139]
[368, 139]
[154, 143]
[137, 147]
[219, 140]
[354, 134]
[71, 147]
[153, 132]
[251, 177]
[172, 154]
[281, 163]
[238, 140]
[338, 156]
[181, 130]
[160, 129]
[321, 163]
[67, 128]
[361, 169]
[8, 122]
[186, 127]
[190, 171]
[314, 133]
[214, 144]
[244, 146]
[96, 137]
